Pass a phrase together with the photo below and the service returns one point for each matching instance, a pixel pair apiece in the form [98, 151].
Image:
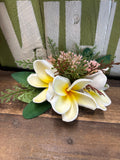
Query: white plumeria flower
[99, 80]
[99, 83]
[102, 99]
[42, 79]
[67, 98]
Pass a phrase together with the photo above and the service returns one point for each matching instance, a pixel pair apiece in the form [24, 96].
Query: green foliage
[104, 59]
[28, 96]
[12, 94]
[87, 53]
[80, 71]
[54, 50]
[34, 109]
[90, 54]
[26, 63]
[21, 77]
[25, 93]
[78, 50]
[64, 69]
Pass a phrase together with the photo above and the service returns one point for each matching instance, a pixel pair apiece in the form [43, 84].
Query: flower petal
[51, 72]
[60, 104]
[85, 100]
[101, 100]
[41, 97]
[106, 99]
[40, 66]
[60, 85]
[34, 81]
[50, 92]
[79, 84]
[106, 69]
[71, 114]
[106, 87]
[99, 80]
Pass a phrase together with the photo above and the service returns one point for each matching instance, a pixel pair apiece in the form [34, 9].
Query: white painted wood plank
[73, 19]
[9, 33]
[115, 71]
[109, 29]
[30, 34]
[102, 24]
[51, 16]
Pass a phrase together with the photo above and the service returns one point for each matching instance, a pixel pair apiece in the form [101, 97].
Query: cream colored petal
[51, 72]
[50, 92]
[40, 66]
[41, 97]
[106, 69]
[60, 85]
[79, 84]
[85, 100]
[105, 99]
[72, 113]
[101, 100]
[99, 80]
[34, 81]
[60, 104]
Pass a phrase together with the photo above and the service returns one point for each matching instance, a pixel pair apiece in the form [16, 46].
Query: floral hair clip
[64, 81]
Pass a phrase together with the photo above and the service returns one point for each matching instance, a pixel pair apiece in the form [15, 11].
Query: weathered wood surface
[95, 135]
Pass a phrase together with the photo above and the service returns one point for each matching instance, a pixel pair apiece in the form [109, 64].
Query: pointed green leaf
[33, 110]
[107, 59]
[21, 77]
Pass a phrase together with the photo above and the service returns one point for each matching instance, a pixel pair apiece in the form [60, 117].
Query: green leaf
[33, 110]
[28, 96]
[105, 59]
[25, 97]
[2, 93]
[88, 54]
[21, 77]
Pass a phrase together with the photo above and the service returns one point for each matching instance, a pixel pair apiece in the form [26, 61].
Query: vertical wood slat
[102, 25]
[115, 32]
[115, 70]
[90, 11]
[30, 34]
[9, 33]
[52, 20]
[11, 6]
[73, 20]
[110, 23]
[5, 53]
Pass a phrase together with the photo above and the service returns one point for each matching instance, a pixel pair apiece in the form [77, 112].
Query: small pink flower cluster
[51, 59]
[92, 66]
[69, 57]
[71, 62]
